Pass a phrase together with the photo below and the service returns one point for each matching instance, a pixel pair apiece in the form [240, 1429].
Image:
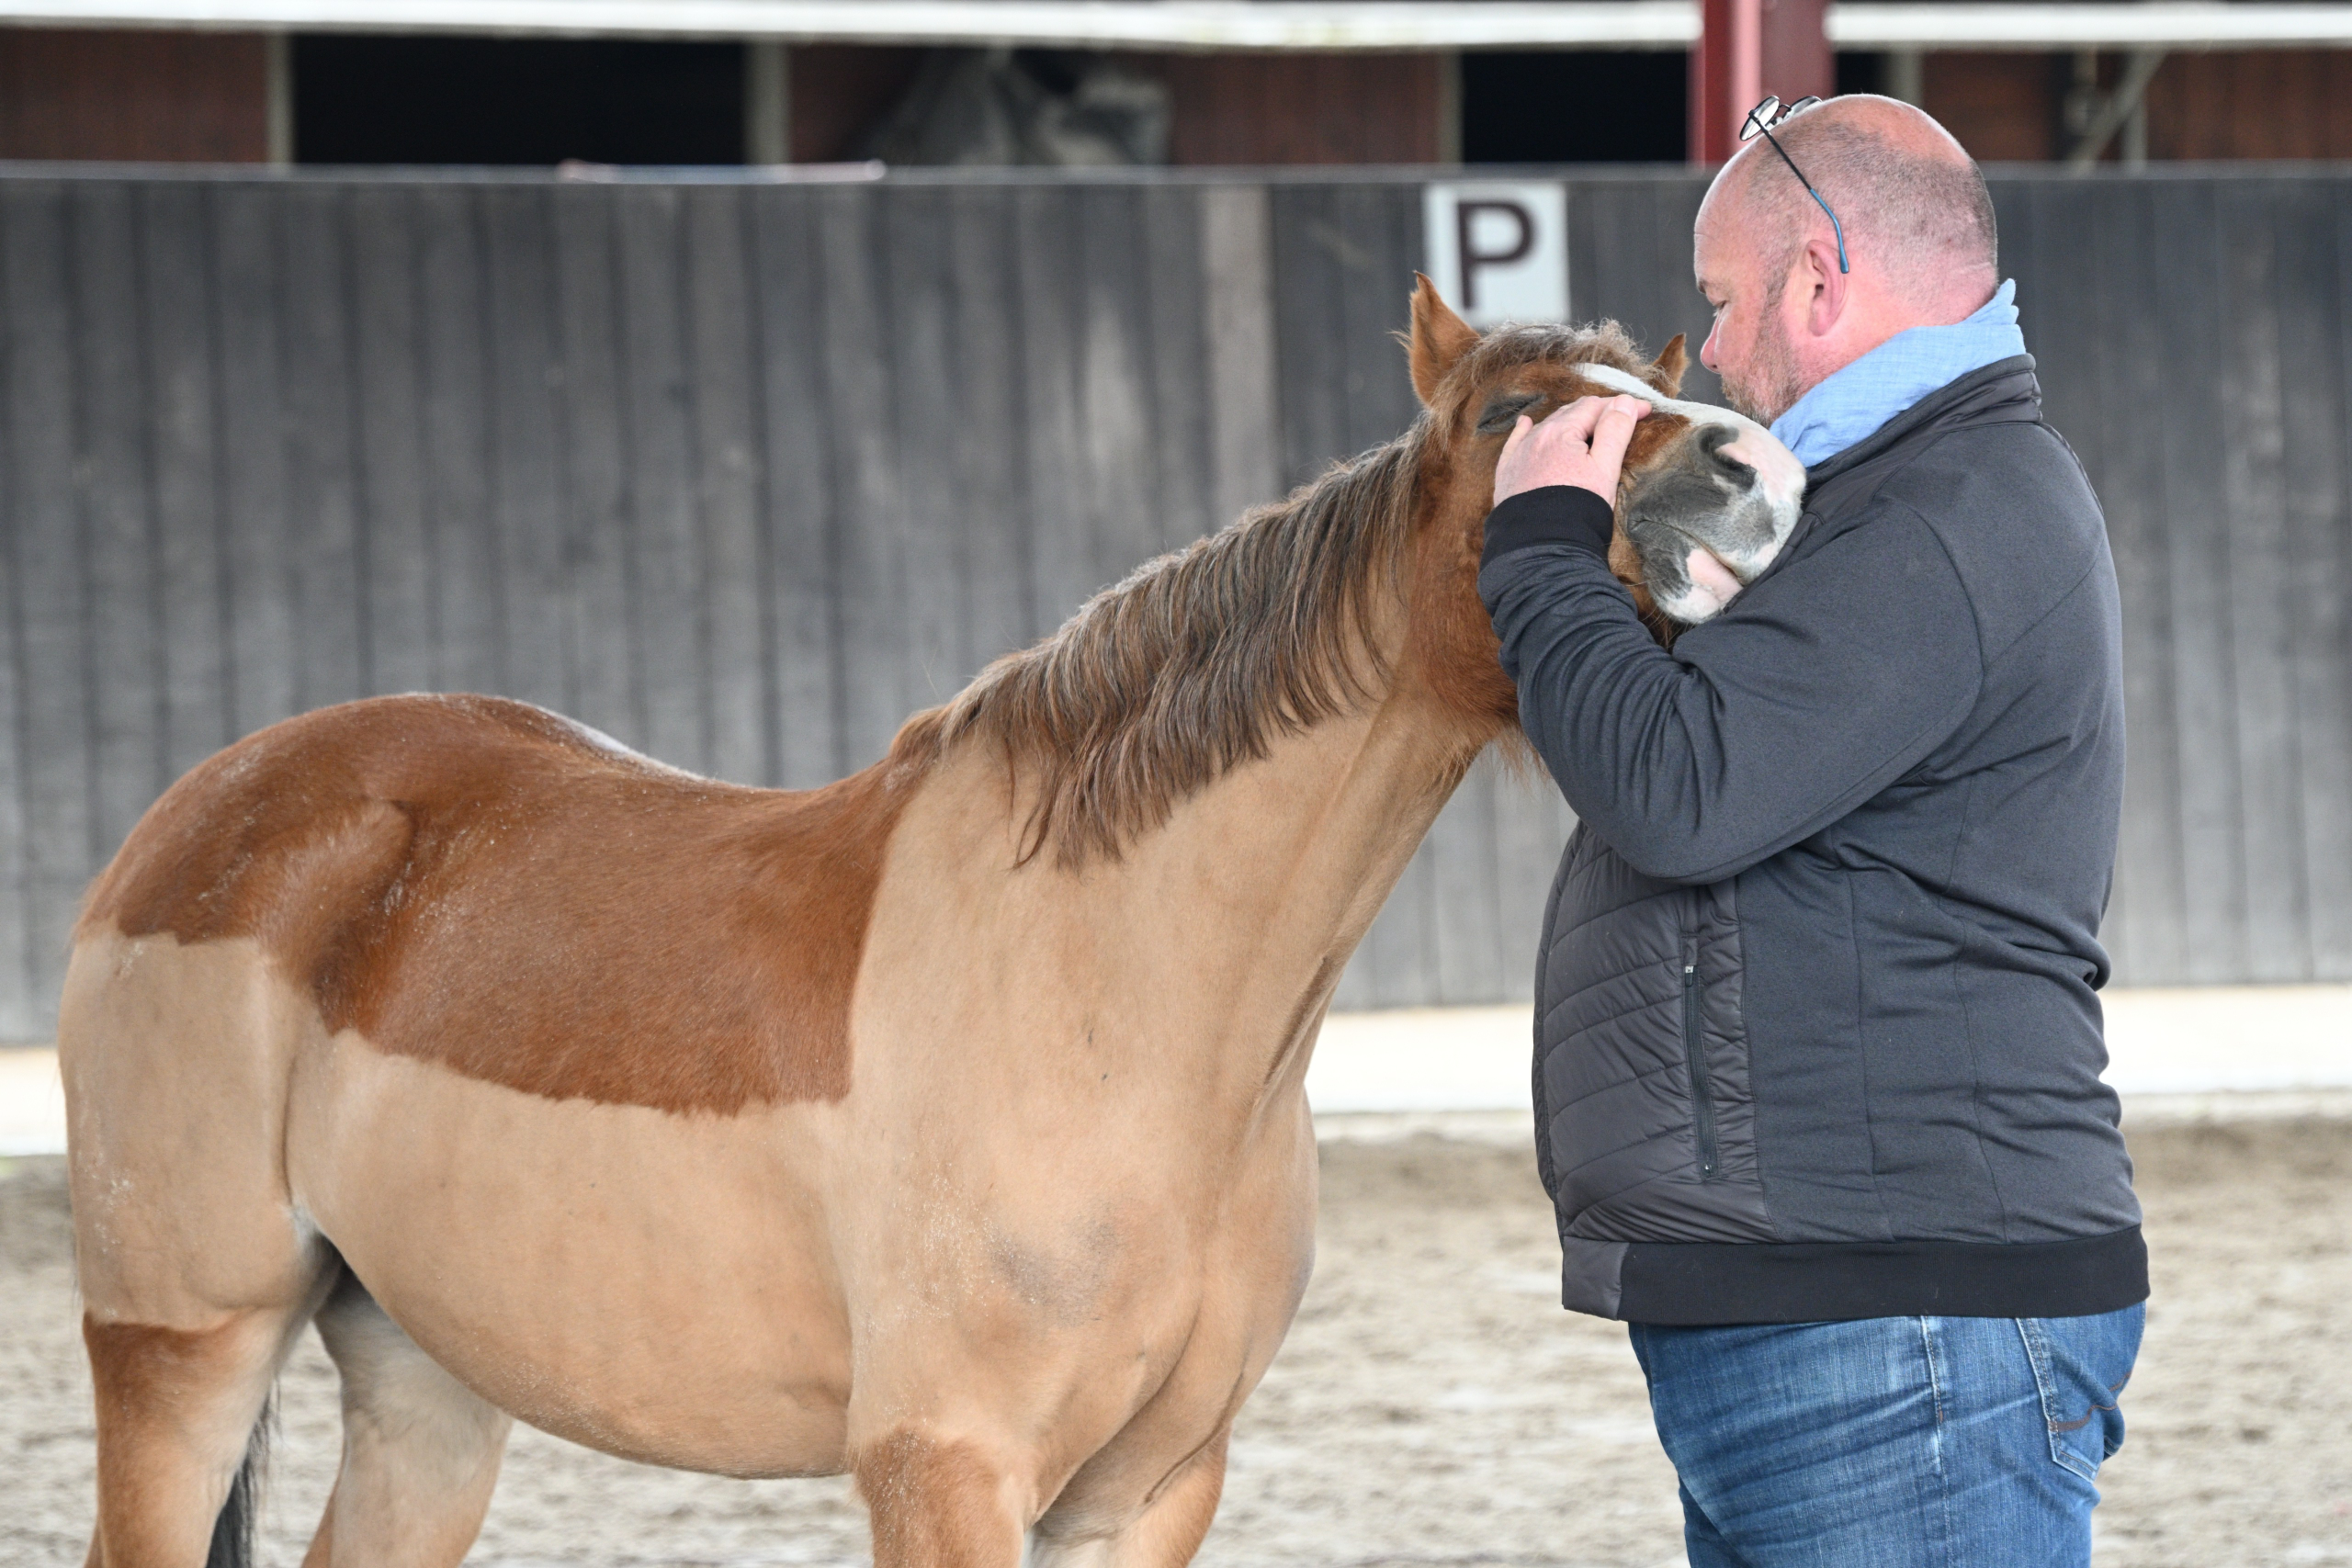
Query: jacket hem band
[1713, 1284]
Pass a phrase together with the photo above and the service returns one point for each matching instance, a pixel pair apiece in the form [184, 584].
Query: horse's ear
[1666, 371]
[1440, 338]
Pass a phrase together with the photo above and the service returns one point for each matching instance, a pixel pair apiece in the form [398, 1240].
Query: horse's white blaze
[1780, 483]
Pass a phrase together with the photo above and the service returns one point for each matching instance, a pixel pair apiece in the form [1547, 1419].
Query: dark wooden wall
[154, 97]
[2237, 105]
[1271, 108]
[2272, 103]
[744, 474]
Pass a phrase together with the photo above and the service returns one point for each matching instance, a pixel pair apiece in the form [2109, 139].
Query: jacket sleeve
[1813, 691]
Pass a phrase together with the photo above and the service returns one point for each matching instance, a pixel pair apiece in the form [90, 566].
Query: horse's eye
[1501, 413]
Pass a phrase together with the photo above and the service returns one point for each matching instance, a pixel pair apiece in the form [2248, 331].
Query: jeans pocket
[2080, 1365]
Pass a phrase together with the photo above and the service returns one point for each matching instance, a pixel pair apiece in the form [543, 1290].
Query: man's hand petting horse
[1581, 445]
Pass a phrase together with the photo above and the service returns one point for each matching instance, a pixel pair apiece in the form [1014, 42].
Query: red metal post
[1746, 49]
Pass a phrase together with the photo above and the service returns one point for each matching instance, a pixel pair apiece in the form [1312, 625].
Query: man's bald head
[1913, 205]
[1918, 229]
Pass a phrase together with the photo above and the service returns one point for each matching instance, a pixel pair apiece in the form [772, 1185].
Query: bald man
[1819, 1039]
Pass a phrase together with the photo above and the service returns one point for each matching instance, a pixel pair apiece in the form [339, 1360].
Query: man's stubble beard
[1774, 382]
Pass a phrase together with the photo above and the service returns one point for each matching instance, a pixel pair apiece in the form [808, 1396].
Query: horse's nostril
[1714, 441]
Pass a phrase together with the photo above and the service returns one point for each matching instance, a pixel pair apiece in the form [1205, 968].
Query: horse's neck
[1262, 884]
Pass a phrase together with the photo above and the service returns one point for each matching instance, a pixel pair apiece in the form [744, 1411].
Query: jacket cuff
[1555, 515]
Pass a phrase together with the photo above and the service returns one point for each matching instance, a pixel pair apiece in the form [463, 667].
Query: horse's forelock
[1505, 349]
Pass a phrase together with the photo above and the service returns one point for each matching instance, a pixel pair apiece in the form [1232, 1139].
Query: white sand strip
[32, 1102]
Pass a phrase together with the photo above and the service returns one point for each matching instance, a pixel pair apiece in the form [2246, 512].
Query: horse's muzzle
[1711, 511]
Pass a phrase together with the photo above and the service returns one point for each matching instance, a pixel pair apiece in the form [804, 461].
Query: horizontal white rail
[1097, 24]
[1239, 24]
[2160, 23]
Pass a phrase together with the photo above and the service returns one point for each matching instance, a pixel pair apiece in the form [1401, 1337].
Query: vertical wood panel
[1061, 555]
[2186, 288]
[119, 543]
[2315, 288]
[325, 542]
[51, 588]
[1532, 826]
[858, 391]
[1675, 304]
[177, 285]
[457, 432]
[527, 501]
[990, 433]
[1118, 455]
[671, 584]
[1237, 297]
[19, 1013]
[2151, 871]
[788, 310]
[253, 460]
[2262, 632]
[112, 472]
[1310, 253]
[600, 611]
[726, 483]
[928, 552]
[397, 590]
[19, 1010]
[1176, 367]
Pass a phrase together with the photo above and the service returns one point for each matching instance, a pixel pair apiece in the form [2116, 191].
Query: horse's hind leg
[197, 1270]
[178, 1411]
[420, 1449]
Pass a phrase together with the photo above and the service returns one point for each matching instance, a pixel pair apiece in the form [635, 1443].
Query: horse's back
[484, 884]
[320, 810]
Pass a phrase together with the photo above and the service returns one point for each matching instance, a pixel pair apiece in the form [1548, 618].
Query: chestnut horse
[943, 1126]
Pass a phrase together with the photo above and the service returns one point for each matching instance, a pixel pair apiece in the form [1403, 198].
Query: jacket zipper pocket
[1694, 1047]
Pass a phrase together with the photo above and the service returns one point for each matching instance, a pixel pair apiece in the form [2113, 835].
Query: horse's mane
[1196, 662]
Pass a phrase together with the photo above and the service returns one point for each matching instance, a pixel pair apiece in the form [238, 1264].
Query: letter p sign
[1498, 252]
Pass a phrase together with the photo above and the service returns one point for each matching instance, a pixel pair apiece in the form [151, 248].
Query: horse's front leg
[944, 1502]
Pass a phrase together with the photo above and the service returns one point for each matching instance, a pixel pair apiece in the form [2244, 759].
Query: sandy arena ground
[1433, 1405]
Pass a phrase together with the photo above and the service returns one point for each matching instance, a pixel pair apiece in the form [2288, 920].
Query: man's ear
[1831, 290]
[1666, 371]
[1440, 339]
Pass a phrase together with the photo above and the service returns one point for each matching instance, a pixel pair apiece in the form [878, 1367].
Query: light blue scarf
[1850, 403]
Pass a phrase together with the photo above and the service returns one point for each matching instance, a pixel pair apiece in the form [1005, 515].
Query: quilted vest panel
[1645, 1119]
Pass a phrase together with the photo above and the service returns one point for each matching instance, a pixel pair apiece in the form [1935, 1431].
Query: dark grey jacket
[1817, 1032]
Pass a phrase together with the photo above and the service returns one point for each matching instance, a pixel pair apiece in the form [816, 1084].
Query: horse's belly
[654, 1285]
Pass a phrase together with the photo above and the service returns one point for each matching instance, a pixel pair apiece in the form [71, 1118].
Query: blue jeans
[1891, 1442]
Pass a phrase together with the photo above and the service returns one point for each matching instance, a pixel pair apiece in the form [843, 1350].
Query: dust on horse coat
[943, 1126]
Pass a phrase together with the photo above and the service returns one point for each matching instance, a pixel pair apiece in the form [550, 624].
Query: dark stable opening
[361, 99]
[1861, 72]
[1595, 106]
[1575, 106]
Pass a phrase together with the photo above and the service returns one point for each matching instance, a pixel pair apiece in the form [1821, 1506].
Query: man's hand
[1581, 445]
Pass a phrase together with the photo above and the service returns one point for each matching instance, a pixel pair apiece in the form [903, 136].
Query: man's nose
[1707, 349]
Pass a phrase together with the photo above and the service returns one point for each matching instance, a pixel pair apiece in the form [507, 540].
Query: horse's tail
[234, 1532]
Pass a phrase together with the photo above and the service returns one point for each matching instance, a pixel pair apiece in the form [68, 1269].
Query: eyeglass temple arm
[1834, 227]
